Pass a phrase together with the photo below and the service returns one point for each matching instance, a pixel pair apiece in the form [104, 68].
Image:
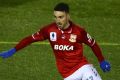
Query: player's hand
[7, 54]
[105, 66]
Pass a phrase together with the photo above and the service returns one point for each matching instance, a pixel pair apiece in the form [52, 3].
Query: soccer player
[66, 40]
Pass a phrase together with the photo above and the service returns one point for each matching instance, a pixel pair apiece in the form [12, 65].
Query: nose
[57, 20]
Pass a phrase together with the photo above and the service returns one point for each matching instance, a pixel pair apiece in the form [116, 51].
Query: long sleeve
[97, 51]
[87, 39]
[24, 42]
[38, 36]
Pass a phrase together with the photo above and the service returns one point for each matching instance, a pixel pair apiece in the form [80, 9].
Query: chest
[64, 39]
[57, 37]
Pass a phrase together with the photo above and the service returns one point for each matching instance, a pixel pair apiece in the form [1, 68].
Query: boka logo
[53, 36]
[64, 47]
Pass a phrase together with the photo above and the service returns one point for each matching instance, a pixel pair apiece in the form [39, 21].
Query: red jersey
[67, 46]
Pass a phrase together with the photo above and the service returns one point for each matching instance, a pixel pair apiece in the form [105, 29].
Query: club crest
[73, 38]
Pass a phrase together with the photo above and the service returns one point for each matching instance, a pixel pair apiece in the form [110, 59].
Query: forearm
[24, 42]
[97, 51]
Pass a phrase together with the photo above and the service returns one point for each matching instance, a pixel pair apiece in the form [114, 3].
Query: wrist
[13, 50]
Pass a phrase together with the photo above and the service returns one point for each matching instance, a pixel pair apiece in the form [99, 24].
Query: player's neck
[66, 26]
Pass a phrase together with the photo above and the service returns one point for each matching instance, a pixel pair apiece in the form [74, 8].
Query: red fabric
[23, 43]
[97, 52]
[38, 36]
[67, 46]
[87, 39]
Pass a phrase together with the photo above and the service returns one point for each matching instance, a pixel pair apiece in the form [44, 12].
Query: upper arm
[40, 35]
[87, 39]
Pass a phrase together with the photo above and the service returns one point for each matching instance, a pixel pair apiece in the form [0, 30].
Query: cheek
[63, 21]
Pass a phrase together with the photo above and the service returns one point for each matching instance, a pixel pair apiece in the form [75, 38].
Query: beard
[59, 25]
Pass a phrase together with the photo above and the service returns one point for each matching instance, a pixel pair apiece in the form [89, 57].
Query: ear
[68, 16]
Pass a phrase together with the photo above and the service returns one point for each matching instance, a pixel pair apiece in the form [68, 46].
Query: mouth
[59, 24]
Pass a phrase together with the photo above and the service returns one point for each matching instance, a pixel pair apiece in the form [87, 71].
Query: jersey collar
[68, 30]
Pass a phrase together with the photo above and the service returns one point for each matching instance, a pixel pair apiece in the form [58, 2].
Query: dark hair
[62, 7]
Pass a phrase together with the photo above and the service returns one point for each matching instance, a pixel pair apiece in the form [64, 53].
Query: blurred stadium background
[20, 18]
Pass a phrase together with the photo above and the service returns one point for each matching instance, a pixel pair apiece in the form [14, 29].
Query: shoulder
[78, 28]
[48, 27]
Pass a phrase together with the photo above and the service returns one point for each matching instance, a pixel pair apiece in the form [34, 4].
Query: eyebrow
[58, 16]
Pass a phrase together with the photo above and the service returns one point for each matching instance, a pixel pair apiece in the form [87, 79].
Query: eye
[55, 17]
[61, 17]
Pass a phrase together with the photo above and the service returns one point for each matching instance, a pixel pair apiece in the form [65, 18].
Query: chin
[60, 26]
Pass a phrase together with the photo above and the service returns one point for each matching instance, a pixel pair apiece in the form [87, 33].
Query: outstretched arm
[38, 36]
[87, 39]
[23, 43]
